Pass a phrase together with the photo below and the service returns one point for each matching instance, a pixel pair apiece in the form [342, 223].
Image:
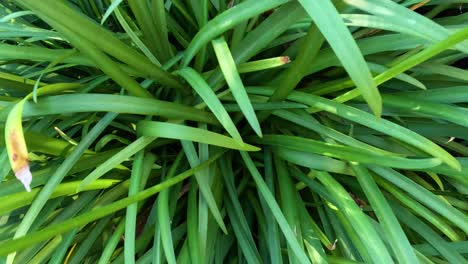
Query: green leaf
[424, 196]
[404, 20]
[181, 132]
[115, 4]
[370, 121]
[432, 237]
[14, 136]
[204, 185]
[346, 153]
[164, 219]
[275, 209]
[118, 158]
[237, 216]
[226, 21]
[211, 100]
[228, 66]
[13, 245]
[329, 22]
[78, 25]
[373, 245]
[76, 103]
[18, 200]
[412, 61]
[58, 176]
[396, 237]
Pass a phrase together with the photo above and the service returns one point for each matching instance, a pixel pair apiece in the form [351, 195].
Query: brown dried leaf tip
[285, 59]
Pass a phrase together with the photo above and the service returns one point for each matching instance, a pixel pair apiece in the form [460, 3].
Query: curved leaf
[181, 132]
[329, 22]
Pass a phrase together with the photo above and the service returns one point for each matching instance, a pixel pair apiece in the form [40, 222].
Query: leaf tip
[376, 108]
[25, 177]
[252, 148]
[456, 165]
[258, 131]
[285, 59]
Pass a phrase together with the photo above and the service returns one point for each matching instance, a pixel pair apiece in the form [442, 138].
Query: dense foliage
[248, 131]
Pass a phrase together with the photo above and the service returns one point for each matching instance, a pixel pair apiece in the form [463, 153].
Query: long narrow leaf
[228, 66]
[327, 19]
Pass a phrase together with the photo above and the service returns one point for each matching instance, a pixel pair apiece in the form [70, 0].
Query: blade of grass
[18, 200]
[412, 61]
[112, 242]
[450, 113]
[373, 245]
[136, 39]
[424, 196]
[265, 64]
[90, 31]
[82, 204]
[211, 100]
[75, 103]
[58, 176]
[370, 121]
[226, 21]
[275, 209]
[273, 237]
[329, 22]
[239, 222]
[132, 210]
[16, 244]
[345, 152]
[16, 145]
[289, 202]
[193, 235]
[181, 132]
[142, 13]
[271, 28]
[228, 67]
[85, 246]
[309, 122]
[114, 5]
[405, 19]
[291, 77]
[397, 238]
[427, 249]
[204, 184]
[158, 15]
[423, 212]
[424, 230]
[164, 216]
[14, 136]
[106, 64]
[118, 158]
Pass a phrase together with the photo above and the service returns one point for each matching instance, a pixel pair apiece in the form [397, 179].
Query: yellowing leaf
[14, 137]
[16, 146]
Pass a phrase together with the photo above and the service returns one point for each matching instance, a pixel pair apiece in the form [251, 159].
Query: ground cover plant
[248, 131]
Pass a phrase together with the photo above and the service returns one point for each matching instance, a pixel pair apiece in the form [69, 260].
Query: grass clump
[254, 131]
